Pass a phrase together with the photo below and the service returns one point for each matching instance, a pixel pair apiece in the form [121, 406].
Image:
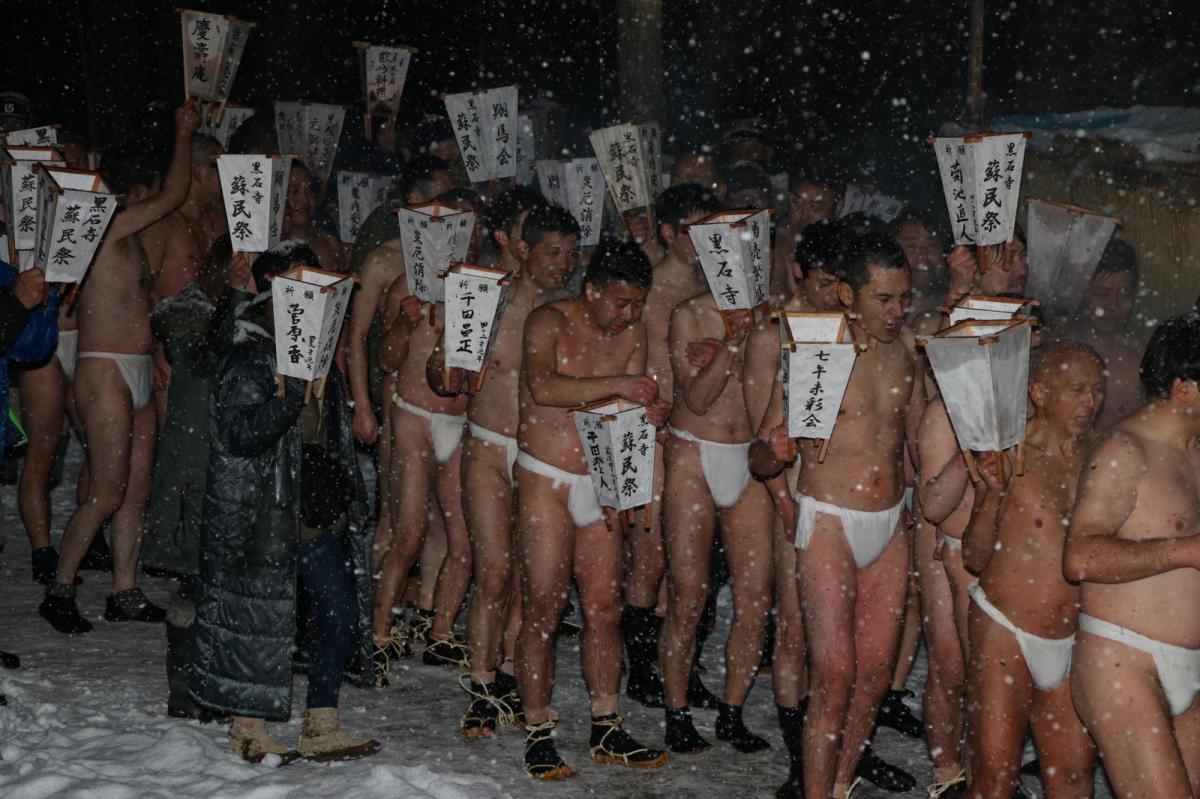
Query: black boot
[791, 723]
[59, 608]
[483, 714]
[731, 730]
[179, 666]
[681, 735]
[897, 715]
[639, 628]
[9, 661]
[541, 755]
[99, 556]
[132, 605]
[506, 688]
[45, 564]
[697, 694]
[419, 627]
[611, 745]
[884, 775]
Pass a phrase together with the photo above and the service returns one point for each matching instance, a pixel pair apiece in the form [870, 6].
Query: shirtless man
[504, 217]
[677, 277]
[707, 474]
[814, 267]
[851, 522]
[548, 250]
[298, 219]
[423, 179]
[112, 387]
[576, 351]
[923, 246]
[1105, 321]
[1023, 612]
[699, 168]
[1133, 544]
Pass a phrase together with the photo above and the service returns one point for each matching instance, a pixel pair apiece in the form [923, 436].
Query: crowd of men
[1054, 596]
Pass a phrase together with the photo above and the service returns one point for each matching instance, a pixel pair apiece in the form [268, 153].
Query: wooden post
[639, 58]
[975, 68]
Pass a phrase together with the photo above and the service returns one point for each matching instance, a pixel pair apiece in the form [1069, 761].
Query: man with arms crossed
[548, 250]
[576, 351]
[851, 522]
[112, 388]
[1133, 544]
[1022, 615]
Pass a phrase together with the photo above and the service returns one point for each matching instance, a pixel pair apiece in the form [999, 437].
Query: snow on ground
[87, 718]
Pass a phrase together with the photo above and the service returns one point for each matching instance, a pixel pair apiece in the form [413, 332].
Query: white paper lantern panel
[383, 71]
[630, 160]
[818, 357]
[254, 188]
[734, 249]
[880, 206]
[956, 166]
[434, 235]
[358, 193]
[475, 300]
[982, 370]
[309, 306]
[618, 445]
[42, 136]
[981, 180]
[20, 192]
[75, 208]
[525, 149]
[203, 37]
[230, 120]
[1065, 245]
[984, 308]
[237, 33]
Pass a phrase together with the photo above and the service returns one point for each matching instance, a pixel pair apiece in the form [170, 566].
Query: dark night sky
[857, 83]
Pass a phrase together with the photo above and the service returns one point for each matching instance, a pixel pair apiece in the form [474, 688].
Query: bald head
[1059, 357]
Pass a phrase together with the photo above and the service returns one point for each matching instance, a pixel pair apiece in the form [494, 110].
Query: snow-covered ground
[86, 718]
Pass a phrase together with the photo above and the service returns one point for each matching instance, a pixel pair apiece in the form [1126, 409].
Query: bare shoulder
[1119, 453]
[927, 322]
[548, 317]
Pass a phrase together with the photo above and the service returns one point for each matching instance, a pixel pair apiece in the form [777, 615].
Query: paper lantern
[75, 207]
[213, 45]
[20, 192]
[358, 193]
[618, 444]
[631, 161]
[309, 306]
[433, 235]
[872, 203]
[42, 136]
[383, 71]
[230, 121]
[1065, 245]
[735, 253]
[486, 126]
[475, 300]
[576, 184]
[311, 131]
[981, 307]
[254, 188]
[981, 180]
[982, 370]
[818, 358]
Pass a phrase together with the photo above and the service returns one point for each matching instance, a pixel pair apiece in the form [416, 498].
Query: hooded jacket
[246, 613]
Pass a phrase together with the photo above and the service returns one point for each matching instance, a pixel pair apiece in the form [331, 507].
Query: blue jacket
[36, 342]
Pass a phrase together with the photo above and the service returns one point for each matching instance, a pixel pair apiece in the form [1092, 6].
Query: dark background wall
[860, 84]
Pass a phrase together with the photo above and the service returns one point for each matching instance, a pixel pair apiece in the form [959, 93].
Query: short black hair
[1172, 354]
[870, 249]
[279, 259]
[463, 197]
[746, 175]
[619, 261]
[418, 174]
[909, 215]
[256, 135]
[1119, 256]
[545, 218]
[681, 200]
[821, 246]
[504, 211]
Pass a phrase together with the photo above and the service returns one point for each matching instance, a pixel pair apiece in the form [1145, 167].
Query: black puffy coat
[246, 614]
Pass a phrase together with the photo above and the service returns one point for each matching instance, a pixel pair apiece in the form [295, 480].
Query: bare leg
[455, 575]
[413, 473]
[945, 682]
[545, 539]
[789, 677]
[129, 519]
[999, 697]
[106, 412]
[647, 557]
[746, 534]
[43, 390]
[598, 573]
[489, 524]
[828, 590]
[1128, 725]
[1187, 733]
[1065, 751]
[878, 614]
[689, 521]
[910, 638]
[433, 555]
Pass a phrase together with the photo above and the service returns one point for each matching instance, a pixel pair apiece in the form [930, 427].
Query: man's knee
[832, 677]
[493, 581]
[789, 632]
[688, 596]
[106, 499]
